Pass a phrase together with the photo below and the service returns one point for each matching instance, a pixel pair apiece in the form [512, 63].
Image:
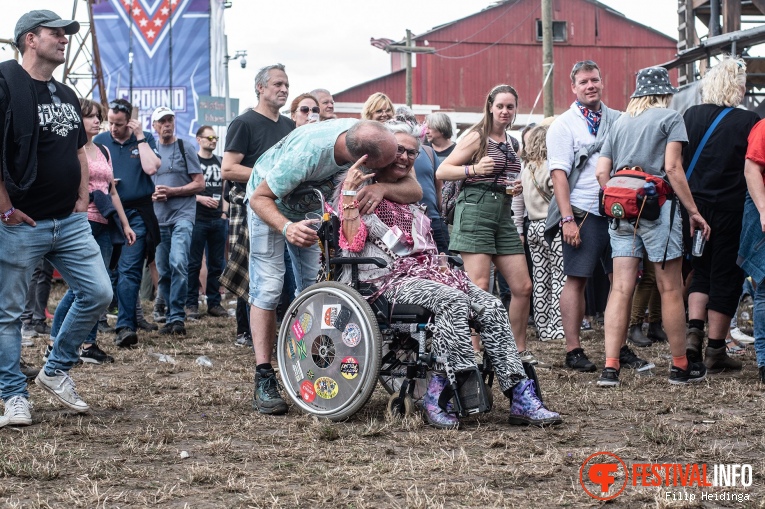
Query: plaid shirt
[236, 276]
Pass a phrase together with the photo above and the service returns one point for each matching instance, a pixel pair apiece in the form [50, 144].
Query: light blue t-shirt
[176, 171]
[303, 159]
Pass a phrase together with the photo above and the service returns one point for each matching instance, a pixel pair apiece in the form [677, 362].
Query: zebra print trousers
[451, 337]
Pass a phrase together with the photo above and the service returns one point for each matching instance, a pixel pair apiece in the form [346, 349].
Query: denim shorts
[651, 237]
[267, 263]
[483, 222]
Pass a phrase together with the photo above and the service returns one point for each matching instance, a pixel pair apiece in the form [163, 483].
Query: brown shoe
[217, 311]
[694, 341]
[717, 361]
[28, 371]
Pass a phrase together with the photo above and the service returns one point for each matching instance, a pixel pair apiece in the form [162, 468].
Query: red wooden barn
[503, 44]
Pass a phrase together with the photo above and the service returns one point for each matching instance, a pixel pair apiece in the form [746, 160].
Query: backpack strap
[430, 152]
[704, 140]
[183, 151]
[103, 150]
[669, 234]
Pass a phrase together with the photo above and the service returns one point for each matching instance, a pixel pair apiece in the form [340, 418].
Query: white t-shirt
[567, 134]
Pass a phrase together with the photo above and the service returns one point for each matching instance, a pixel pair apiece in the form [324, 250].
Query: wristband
[467, 170]
[349, 193]
[565, 220]
[7, 214]
[143, 140]
[284, 230]
[474, 173]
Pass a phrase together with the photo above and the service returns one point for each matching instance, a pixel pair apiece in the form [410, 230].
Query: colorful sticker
[301, 327]
[352, 335]
[307, 392]
[310, 374]
[300, 347]
[343, 317]
[298, 371]
[291, 347]
[329, 314]
[325, 387]
[349, 368]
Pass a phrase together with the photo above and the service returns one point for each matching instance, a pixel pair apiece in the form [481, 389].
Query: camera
[243, 62]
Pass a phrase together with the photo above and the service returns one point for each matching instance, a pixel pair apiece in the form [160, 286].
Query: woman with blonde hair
[378, 107]
[484, 231]
[650, 136]
[718, 187]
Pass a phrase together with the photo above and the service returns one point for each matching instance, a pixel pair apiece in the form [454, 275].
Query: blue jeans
[759, 323]
[212, 234]
[173, 266]
[130, 270]
[70, 247]
[103, 239]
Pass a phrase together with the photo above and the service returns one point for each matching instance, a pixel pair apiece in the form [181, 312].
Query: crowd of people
[114, 209]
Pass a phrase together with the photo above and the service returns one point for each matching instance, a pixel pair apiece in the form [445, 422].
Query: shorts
[595, 247]
[483, 222]
[651, 237]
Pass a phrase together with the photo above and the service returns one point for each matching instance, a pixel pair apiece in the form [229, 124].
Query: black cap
[43, 18]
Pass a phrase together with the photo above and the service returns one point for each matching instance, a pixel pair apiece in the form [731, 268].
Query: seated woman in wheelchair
[400, 234]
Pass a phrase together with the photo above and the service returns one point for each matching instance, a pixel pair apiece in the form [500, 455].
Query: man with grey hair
[309, 158]
[326, 104]
[249, 135]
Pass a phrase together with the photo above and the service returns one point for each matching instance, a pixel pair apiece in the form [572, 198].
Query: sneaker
[696, 372]
[94, 355]
[717, 360]
[16, 412]
[192, 313]
[586, 325]
[609, 378]
[159, 313]
[112, 311]
[104, 327]
[628, 359]
[28, 331]
[434, 414]
[656, 333]
[576, 359]
[46, 352]
[739, 336]
[528, 409]
[267, 399]
[217, 311]
[28, 371]
[125, 338]
[694, 340]
[174, 328]
[147, 326]
[41, 327]
[244, 339]
[636, 337]
[62, 387]
[528, 357]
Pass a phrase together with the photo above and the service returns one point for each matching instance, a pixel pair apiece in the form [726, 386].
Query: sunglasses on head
[53, 96]
[583, 63]
[119, 107]
[306, 109]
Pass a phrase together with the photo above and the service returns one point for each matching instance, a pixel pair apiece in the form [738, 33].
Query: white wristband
[349, 193]
[284, 230]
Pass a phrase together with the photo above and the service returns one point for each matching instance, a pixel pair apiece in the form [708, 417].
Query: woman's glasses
[411, 154]
[53, 96]
[306, 109]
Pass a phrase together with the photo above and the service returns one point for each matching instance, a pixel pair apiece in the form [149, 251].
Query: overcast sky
[325, 43]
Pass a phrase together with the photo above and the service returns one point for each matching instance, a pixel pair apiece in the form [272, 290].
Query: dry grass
[127, 452]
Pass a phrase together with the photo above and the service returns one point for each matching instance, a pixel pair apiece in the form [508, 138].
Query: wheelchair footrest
[472, 395]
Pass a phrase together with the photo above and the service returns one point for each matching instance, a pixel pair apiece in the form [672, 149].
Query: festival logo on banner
[170, 44]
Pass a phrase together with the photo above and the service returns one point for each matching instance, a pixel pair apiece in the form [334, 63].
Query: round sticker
[349, 368]
[307, 392]
[325, 387]
[352, 335]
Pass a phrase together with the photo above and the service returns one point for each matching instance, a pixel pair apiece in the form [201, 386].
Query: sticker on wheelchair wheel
[329, 314]
[298, 371]
[307, 392]
[349, 368]
[301, 350]
[310, 375]
[325, 387]
[342, 318]
[291, 348]
[301, 326]
[352, 335]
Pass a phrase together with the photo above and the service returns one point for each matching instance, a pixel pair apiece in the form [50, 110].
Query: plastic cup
[315, 219]
[443, 262]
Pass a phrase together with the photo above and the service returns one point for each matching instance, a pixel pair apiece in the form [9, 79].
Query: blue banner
[169, 41]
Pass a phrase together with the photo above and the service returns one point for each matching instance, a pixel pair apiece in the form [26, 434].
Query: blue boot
[527, 409]
[434, 414]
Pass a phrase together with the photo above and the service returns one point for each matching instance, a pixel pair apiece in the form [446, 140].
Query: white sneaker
[739, 336]
[61, 386]
[16, 412]
[528, 357]
[28, 331]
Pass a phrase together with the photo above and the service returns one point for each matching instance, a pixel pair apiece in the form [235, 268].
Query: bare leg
[619, 304]
[572, 309]
[263, 329]
[670, 285]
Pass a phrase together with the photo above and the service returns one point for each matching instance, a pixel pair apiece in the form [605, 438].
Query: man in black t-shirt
[209, 229]
[249, 135]
[43, 211]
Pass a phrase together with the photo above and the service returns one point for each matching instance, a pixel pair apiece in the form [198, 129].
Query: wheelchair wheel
[329, 351]
[400, 407]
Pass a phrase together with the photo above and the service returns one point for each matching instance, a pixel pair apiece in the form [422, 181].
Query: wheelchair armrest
[379, 262]
[455, 261]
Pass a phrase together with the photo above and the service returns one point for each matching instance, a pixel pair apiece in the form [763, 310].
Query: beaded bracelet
[284, 230]
[353, 205]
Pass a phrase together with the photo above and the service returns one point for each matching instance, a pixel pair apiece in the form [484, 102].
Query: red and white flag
[380, 43]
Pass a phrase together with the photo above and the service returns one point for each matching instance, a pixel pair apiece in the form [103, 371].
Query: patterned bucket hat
[653, 81]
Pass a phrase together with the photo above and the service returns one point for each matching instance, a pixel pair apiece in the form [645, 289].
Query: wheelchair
[333, 346]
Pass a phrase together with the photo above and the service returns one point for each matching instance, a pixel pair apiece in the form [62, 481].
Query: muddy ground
[127, 452]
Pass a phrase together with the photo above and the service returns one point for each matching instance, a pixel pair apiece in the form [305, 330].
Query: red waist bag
[625, 196]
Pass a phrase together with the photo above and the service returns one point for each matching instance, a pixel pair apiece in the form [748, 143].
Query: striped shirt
[507, 166]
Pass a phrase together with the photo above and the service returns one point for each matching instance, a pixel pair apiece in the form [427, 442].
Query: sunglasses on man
[210, 138]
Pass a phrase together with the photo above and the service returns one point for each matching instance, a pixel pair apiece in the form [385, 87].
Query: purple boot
[435, 416]
[527, 409]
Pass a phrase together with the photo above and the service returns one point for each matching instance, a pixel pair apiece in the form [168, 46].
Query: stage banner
[156, 53]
